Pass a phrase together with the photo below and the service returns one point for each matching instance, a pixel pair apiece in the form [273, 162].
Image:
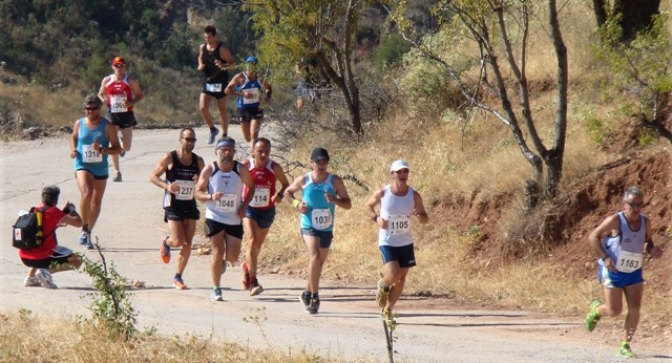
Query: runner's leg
[223, 115]
[633, 298]
[218, 249]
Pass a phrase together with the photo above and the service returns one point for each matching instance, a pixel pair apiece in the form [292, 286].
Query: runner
[121, 92]
[247, 87]
[50, 258]
[321, 192]
[398, 202]
[182, 168]
[214, 60]
[261, 212]
[619, 243]
[93, 139]
[220, 186]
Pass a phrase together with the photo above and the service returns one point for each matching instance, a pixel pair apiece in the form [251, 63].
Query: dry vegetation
[447, 158]
[26, 338]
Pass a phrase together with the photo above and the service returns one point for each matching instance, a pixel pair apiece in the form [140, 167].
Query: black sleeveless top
[181, 172]
[212, 73]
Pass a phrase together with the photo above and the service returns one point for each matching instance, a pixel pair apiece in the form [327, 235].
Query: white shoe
[45, 278]
[31, 281]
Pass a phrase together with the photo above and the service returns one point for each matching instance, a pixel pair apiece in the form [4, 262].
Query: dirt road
[347, 326]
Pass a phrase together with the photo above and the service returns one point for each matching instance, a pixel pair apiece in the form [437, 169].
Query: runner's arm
[230, 88]
[282, 178]
[225, 54]
[419, 209]
[160, 169]
[342, 198]
[201, 65]
[74, 138]
[602, 231]
[246, 178]
[202, 193]
[138, 95]
[113, 137]
[653, 250]
[373, 202]
[294, 188]
[102, 93]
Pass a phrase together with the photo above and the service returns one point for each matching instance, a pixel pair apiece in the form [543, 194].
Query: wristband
[295, 203]
[375, 218]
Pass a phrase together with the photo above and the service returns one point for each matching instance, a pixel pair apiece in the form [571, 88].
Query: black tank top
[181, 172]
[212, 73]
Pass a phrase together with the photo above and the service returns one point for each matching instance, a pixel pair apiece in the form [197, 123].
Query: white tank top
[225, 210]
[397, 211]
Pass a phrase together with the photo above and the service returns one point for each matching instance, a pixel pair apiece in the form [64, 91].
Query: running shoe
[213, 134]
[117, 177]
[216, 294]
[624, 351]
[382, 294]
[593, 316]
[165, 249]
[85, 240]
[45, 278]
[246, 276]
[389, 319]
[314, 306]
[31, 281]
[178, 283]
[305, 300]
[255, 288]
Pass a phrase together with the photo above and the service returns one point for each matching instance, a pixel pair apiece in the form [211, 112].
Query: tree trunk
[601, 13]
[636, 15]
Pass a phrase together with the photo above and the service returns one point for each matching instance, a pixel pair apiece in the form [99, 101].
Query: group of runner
[240, 199]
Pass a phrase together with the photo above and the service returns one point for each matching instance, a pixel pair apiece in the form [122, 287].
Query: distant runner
[248, 87]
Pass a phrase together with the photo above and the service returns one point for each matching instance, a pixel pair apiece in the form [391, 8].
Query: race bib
[90, 155]
[117, 103]
[228, 203]
[187, 188]
[629, 261]
[321, 218]
[398, 224]
[256, 96]
[213, 87]
[262, 198]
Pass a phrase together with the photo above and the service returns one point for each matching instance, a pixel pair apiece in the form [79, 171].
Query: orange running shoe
[246, 276]
[165, 249]
[179, 283]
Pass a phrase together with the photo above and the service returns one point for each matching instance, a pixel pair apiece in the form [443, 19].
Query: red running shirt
[117, 92]
[50, 219]
[264, 180]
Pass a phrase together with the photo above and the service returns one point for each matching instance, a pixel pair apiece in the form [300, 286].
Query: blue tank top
[251, 86]
[87, 158]
[320, 215]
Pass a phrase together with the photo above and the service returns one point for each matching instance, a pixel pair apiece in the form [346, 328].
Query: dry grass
[27, 338]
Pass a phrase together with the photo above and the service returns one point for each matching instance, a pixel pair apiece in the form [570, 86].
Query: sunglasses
[189, 139]
[92, 108]
[636, 205]
[118, 65]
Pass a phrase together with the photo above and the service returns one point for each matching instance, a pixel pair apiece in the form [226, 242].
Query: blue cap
[252, 59]
[225, 142]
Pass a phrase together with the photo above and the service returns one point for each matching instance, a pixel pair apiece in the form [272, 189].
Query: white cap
[398, 165]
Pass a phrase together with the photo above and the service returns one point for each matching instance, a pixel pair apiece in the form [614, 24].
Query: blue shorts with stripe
[618, 280]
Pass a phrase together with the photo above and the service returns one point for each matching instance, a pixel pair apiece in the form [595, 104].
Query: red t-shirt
[50, 220]
[264, 181]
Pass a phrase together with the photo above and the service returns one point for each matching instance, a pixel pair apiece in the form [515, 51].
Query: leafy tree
[499, 31]
[324, 30]
[632, 16]
[642, 66]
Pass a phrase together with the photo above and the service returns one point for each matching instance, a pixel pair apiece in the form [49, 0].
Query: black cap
[319, 154]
